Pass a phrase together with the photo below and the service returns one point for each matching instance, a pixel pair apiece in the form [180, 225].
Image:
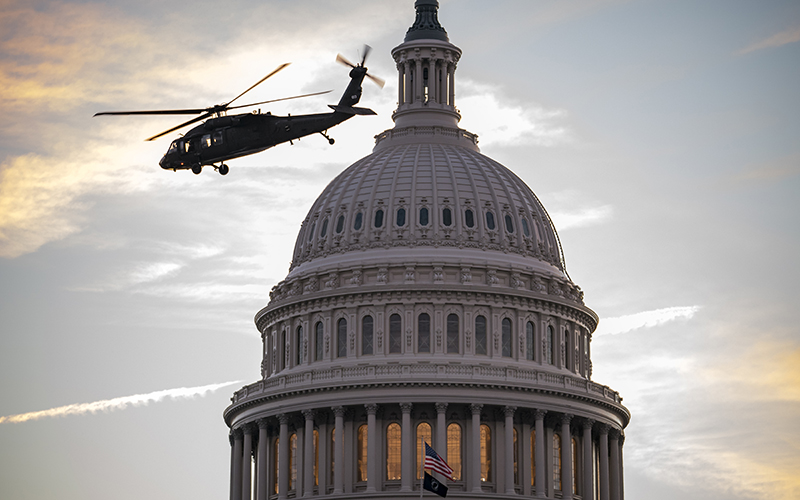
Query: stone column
[262, 460]
[476, 447]
[441, 430]
[372, 443]
[509, 449]
[338, 449]
[613, 464]
[283, 456]
[247, 458]
[588, 465]
[603, 473]
[236, 461]
[621, 469]
[400, 86]
[451, 69]
[566, 458]
[407, 449]
[308, 454]
[539, 453]
[408, 99]
[418, 82]
[432, 80]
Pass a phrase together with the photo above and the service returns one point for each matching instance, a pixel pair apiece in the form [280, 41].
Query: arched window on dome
[550, 345]
[340, 224]
[324, 231]
[526, 230]
[341, 338]
[395, 334]
[480, 335]
[490, 220]
[361, 473]
[529, 341]
[393, 452]
[378, 219]
[299, 345]
[453, 343]
[401, 217]
[293, 461]
[311, 232]
[423, 216]
[424, 333]
[423, 436]
[367, 324]
[454, 449]
[469, 217]
[447, 217]
[509, 223]
[359, 221]
[486, 453]
[318, 341]
[556, 461]
[506, 337]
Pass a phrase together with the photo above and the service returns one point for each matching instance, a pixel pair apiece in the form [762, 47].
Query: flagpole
[422, 470]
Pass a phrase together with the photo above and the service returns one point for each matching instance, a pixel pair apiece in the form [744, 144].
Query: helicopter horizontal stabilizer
[350, 110]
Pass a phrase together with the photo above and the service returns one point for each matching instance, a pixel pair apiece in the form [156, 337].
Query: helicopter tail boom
[350, 110]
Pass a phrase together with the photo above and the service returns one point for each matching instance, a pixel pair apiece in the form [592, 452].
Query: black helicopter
[224, 137]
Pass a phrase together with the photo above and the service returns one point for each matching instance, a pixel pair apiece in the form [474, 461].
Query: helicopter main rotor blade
[193, 120]
[155, 112]
[276, 100]
[258, 83]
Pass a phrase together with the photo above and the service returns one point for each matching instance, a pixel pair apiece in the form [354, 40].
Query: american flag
[435, 462]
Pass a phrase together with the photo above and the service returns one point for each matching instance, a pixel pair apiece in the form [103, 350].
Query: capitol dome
[427, 301]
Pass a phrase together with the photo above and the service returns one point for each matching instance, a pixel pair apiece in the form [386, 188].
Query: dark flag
[431, 484]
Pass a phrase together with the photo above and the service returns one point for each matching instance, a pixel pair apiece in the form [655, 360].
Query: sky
[661, 136]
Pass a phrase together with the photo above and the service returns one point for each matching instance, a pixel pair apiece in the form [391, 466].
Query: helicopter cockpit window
[205, 142]
[217, 138]
[188, 147]
[173, 148]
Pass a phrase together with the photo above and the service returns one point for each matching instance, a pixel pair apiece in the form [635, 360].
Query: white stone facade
[427, 299]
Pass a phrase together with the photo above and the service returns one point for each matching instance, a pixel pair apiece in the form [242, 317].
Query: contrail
[117, 403]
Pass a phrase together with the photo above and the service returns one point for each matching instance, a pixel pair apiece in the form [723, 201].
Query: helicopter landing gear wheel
[196, 168]
[330, 139]
[223, 169]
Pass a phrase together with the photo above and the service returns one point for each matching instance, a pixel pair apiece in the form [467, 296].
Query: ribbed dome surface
[431, 201]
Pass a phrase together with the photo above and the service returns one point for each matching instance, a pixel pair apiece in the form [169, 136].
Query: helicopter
[223, 137]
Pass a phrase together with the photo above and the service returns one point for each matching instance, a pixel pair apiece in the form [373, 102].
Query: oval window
[469, 218]
[340, 224]
[423, 216]
[379, 218]
[490, 220]
[358, 221]
[324, 229]
[525, 228]
[509, 224]
[401, 217]
[447, 217]
[311, 233]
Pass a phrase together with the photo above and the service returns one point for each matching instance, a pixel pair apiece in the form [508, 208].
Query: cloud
[785, 37]
[108, 405]
[585, 217]
[645, 319]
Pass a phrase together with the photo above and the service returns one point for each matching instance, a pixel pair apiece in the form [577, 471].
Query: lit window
[366, 334]
[557, 461]
[395, 334]
[316, 457]
[506, 333]
[293, 461]
[341, 337]
[480, 335]
[275, 469]
[359, 220]
[533, 457]
[469, 218]
[173, 148]
[452, 334]
[574, 465]
[362, 454]
[447, 217]
[205, 142]
[401, 217]
[423, 436]
[424, 333]
[454, 449]
[423, 216]
[490, 221]
[379, 219]
[486, 453]
[516, 459]
[333, 453]
[393, 452]
[216, 139]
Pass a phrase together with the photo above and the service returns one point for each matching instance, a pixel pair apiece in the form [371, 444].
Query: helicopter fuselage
[227, 137]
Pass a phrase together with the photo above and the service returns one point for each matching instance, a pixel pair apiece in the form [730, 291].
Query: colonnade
[303, 454]
[428, 78]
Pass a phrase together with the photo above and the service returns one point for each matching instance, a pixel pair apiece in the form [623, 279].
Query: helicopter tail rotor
[380, 82]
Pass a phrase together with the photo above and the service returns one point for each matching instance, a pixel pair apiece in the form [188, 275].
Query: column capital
[309, 414]
[539, 414]
[283, 418]
[237, 433]
[604, 428]
[406, 407]
[566, 418]
[587, 423]
[613, 434]
[441, 407]
[338, 411]
[476, 408]
[372, 408]
[508, 411]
